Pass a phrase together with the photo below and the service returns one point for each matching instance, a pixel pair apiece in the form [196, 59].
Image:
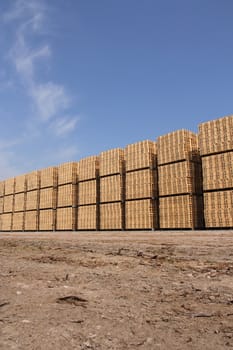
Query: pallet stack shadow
[48, 199]
[66, 213]
[180, 181]
[216, 145]
[31, 216]
[141, 190]
[88, 194]
[8, 188]
[111, 177]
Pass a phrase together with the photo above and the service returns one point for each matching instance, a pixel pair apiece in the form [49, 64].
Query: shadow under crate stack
[67, 197]
[8, 204]
[180, 181]
[48, 199]
[88, 194]
[141, 204]
[19, 203]
[216, 145]
[112, 190]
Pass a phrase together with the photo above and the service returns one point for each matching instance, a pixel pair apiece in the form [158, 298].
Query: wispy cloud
[64, 125]
[50, 99]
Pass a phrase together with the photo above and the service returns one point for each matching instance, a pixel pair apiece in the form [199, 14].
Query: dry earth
[114, 290]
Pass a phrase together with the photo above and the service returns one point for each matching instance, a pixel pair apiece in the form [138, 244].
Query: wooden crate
[111, 216]
[47, 220]
[67, 195]
[2, 186]
[141, 184]
[9, 186]
[1, 205]
[218, 171]
[48, 198]
[20, 183]
[141, 214]
[181, 212]
[48, 177]
[111, 188]
[6, 222]
[218, 209]
[33, 180]
[32, 200]
[18, 221]
[180, 177]
[19, 202]
[177, 145]
[8, 202]
[216, 136]
[31, 220]
[87, 192]
[87, 217]
[67, 173]
[111, 162]
[66, 219]
[140, 155]
[88, 168]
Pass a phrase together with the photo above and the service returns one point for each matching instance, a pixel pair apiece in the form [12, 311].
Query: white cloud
[65, 125]
[50, 99]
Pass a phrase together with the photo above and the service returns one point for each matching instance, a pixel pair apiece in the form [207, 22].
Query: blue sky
[81, 76]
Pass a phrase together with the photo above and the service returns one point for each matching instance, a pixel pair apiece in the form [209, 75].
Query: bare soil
[114, 290]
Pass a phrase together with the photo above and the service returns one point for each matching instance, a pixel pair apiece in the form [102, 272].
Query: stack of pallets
[48, 199]
[8, 204]
[180, 181]
[216, 146]
[88, 170]
[141, 205]
[2, 184]
[111, 173]
[32, 201]
[66, 218]
[19, 203]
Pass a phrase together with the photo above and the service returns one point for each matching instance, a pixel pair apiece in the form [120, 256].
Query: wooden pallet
[33, 180]
[218, 209]
[141, 214]
[177, 145]
[48, 198]
[66, 219]
[67, 195]
[32, 200]
[87, 217]
[19, 201]
[88, 168]
[67, 173]
[20, 183]
[111, 162]
[111, 216]
[47, 220]
[141, 184]
[9, 186]
[218, 171]
[48, 177]
[140, 155]
[87, 192]
[111, 188]
[8, 202]
[31, 220]
[18, 221]
[216, 135]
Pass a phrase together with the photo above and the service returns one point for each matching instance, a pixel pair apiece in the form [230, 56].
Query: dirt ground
[114, 290]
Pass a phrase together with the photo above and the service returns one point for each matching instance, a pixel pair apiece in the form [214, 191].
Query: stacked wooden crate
[141, 192]
[2, 185]
[66, 218]
[216, 146]
[32, 201]
[88, 194]
[111, 173]
[8, 204]
[180, 181]
[19, 203]
[48, 199]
